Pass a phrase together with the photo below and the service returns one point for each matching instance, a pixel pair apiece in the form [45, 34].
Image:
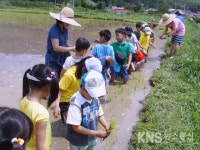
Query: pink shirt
[179, 27]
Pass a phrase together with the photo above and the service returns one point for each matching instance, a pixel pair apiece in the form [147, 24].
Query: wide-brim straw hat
[66, 15]
[166, 19]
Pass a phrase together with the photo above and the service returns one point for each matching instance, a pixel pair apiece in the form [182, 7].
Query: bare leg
[132, 65]
[65, 116]
[112, 79]
[125, 80]
[171, 49]
[174, 48]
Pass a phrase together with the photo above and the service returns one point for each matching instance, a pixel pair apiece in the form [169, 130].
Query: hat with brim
[93, 63]
[147, 30]
[166, 19]
[66, 15]
[94, 83]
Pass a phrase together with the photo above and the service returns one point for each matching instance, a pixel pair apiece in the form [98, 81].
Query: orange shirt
[140, 55]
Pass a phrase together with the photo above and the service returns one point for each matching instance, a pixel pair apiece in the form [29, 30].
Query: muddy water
[22, 46]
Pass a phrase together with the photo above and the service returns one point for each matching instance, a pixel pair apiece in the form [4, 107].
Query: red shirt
[140, 55]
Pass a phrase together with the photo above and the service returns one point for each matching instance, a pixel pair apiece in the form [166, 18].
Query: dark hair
[80, 67]
[128, 29]
[138, 25]
[39, 76]
[129, 34]
[14, 124]
[120, 58]
[121, 30]
[82, 44]
[178, 13]
[134, 57]
[106, 34]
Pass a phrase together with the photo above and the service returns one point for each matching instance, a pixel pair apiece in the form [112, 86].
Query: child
[128, 38]
[15, 129]
[138, 59]
[131, 37]
[39, 82]
[121, 47]
[153, 27]
[138, 30]
[106, 63]
[70, 81]
[81, 47]
[145, 39]
[85, 111]
[103, 49]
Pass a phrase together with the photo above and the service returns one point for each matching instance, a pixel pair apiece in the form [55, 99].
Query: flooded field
[23, 46]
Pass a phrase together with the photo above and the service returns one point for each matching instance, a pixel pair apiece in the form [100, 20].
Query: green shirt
[124, 48]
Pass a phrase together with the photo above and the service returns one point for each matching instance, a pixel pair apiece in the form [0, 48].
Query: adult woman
[177, 31]
[15, 129]
[58, 47]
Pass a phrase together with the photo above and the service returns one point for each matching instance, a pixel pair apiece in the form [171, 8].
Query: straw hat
[66, 15]
[166, 19]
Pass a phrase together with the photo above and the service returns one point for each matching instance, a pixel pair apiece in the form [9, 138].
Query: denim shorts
[122, 73]
[91, 145]
[177, 39]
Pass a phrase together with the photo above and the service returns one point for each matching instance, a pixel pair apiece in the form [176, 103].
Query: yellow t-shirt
[69, 84]
[144, 41]
[37, 113]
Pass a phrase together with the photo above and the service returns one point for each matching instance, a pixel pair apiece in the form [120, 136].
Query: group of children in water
[75, 91]
[83, 79]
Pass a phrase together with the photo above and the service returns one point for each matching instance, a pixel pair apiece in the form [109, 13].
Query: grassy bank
[170, 118]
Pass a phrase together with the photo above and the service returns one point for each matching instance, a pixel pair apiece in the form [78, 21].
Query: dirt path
[123, 105]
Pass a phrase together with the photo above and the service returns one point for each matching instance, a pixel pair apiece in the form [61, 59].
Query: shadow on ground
[58, 129]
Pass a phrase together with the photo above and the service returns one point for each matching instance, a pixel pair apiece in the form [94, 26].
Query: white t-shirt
[134, 40]
[71, 60]
[74, 113]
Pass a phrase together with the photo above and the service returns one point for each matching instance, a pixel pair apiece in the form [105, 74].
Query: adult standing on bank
[177, 31]
[58, 46]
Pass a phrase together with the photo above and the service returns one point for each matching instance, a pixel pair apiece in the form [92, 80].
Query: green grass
[172, 108]
[170, 117]
[17, 12]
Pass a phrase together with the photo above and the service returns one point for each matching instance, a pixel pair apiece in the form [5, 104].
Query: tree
[100, 5]
[163, 8]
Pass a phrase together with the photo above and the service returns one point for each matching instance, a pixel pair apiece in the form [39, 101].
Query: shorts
[91, 145]
[123, 73]
[177, 39]
[64, 106]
